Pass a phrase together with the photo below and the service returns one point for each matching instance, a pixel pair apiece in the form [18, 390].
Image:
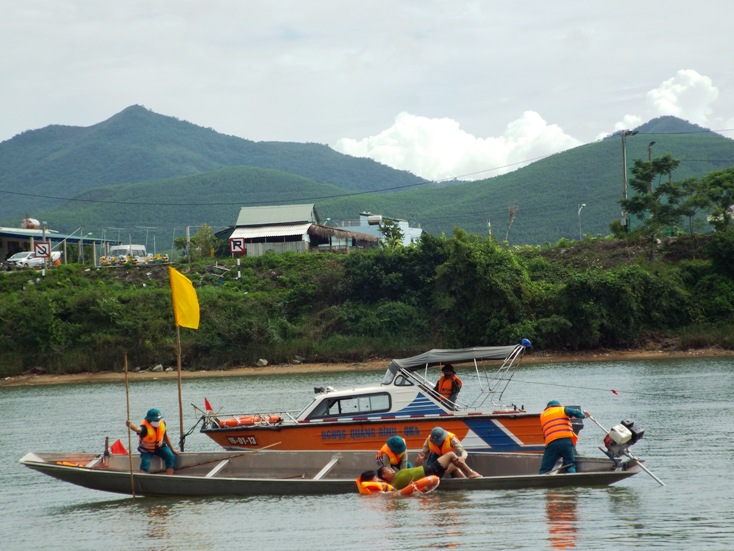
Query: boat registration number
[242, 440]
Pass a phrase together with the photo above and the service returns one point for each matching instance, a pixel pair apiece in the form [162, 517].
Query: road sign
[42, 249]
[237, 245]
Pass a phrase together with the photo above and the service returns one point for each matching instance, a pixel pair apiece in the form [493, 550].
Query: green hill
[41, 167]
[139, 169]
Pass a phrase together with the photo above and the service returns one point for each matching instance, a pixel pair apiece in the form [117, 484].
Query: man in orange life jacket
[441, 443]
[393, 454]
[154, 440]
[449, 384]
[559, 436]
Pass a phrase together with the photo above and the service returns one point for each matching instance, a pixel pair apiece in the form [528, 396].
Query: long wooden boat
[404, 403]
[305, 472]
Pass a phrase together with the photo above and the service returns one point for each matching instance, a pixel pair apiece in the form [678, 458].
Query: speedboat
[403, 404]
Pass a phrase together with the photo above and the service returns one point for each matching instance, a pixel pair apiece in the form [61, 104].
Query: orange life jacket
[373, 487]
[556, 424]
[445, 445]
[447, 385]
[394, 458]
[152, 437]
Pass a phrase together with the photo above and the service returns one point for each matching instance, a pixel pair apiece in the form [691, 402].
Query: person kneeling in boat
[439, 443]
[447, 463]
[154, 440]
[560, 439]
[393, 454]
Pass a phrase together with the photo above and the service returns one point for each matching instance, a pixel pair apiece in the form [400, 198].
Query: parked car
[21, 257]
[27, 259]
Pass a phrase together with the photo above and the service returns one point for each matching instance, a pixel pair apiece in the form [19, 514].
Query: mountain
[40, 167]
[141, 172]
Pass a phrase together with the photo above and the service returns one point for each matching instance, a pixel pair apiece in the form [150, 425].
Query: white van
[122, 254]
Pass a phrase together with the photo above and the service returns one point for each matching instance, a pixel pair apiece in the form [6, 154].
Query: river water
[685, 407]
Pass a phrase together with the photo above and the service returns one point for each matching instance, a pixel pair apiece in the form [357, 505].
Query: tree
[655, 206]
[391, 233]
[718, 188]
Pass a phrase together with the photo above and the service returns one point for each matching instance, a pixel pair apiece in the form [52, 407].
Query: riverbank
[33, 379]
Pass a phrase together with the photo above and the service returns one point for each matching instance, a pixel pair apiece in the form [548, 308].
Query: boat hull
[298, 473]
[498, 433]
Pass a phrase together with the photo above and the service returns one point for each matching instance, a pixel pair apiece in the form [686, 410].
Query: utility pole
[625, 133]
[581, 236]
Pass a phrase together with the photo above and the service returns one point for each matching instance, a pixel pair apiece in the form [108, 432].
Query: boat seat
[217, 468]
[330, 465]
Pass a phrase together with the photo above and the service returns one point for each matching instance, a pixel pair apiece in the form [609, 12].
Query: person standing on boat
[560, 438]
[393, 454]
[154, 440]
[449, 385]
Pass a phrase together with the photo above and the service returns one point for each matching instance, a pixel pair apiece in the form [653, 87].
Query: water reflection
[560, 511]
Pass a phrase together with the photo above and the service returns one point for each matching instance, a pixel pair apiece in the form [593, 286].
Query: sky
[442, 88]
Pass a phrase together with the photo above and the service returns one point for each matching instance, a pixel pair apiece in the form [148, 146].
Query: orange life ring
[425, 485]
[249, 420]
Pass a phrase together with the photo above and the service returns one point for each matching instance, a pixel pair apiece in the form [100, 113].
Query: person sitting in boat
[449, 385]
[560, 439]
[439, 443]
[369, 483]
[447, 463]
[393, 454]
[154, 440]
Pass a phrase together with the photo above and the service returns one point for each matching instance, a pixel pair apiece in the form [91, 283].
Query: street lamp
[582, 205]
[625, 133]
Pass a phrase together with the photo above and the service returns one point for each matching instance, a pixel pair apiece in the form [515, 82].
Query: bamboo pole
[129, 437]
[180, 400]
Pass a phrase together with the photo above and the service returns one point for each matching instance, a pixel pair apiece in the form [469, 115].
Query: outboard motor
[621, 437]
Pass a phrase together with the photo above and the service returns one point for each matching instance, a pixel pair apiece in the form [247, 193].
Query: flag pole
[129, 438]
[180, 400]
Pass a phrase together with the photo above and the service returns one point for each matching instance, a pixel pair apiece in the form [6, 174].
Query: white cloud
[687, 95]
[438, 149]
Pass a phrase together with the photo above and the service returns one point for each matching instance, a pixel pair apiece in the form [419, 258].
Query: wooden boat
[304, 472]
[403, 404]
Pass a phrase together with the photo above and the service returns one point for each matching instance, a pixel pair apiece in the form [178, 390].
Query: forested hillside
[137, 145]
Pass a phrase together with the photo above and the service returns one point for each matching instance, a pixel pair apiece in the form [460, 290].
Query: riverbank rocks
[262, 362]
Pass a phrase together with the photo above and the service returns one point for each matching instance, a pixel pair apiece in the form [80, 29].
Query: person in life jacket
[154, 440]
[368, 483]
[442, 444]
[393, 454]
[560, 438]
[449, 385]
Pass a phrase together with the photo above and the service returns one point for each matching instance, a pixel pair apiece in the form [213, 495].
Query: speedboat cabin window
[401, 380]
[351, 406]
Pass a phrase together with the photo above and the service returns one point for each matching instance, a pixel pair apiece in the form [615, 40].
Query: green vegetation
[463, 290]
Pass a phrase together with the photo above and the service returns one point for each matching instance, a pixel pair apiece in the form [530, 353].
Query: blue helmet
[553, 403]
[396, 444]
[153, 415]
[438, 435]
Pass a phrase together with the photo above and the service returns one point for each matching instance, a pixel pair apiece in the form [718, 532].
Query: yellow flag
[185, 303]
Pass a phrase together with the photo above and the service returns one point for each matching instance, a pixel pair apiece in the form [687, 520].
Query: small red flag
[207, 405]
[615, 392]
[118, 448]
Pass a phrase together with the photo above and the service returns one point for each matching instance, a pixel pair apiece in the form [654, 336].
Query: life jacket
[445, 445]
[448, 385]
[373, 487]
[152, 437]
[556, 424]
[394, 458]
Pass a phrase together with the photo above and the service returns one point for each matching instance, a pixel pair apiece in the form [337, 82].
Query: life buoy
[249, 420]
[425, 485]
